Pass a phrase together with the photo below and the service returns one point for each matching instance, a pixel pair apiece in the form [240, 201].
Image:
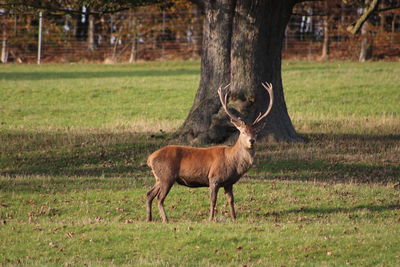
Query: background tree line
[128, 31]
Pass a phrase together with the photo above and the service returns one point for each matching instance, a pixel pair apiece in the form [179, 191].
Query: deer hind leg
[162, 194]
[213, 198]
[231, 201]
[154, 191]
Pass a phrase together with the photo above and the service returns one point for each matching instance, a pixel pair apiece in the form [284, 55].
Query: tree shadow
[333, 158]
[124, 155]
[77, 155]
[330, 210]
[52, 185]
[306, 67]
[321, 211]
[346, 138]
[325, 171]
[43, 75]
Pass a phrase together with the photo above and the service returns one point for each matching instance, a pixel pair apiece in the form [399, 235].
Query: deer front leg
[213, 198]
[231, 201]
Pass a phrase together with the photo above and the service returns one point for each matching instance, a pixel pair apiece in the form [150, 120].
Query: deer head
[248, 132]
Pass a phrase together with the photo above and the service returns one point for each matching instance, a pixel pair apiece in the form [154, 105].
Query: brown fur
[213, 167]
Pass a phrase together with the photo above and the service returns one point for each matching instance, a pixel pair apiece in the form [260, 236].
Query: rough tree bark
[242, 42]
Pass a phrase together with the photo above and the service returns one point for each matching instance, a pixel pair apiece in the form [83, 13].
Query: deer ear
[238, 123]
[259, 126]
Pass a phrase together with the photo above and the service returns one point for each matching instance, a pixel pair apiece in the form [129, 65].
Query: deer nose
[252, 141]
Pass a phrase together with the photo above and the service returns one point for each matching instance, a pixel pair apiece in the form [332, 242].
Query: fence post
[163, 35]
[39, 53]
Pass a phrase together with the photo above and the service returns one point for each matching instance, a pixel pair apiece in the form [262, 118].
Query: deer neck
[241, 156]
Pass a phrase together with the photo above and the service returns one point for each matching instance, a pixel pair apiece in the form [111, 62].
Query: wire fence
[150, 34]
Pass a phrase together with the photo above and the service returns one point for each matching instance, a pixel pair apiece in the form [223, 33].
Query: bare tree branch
[354, 28]
[388, 8]
[199, 3]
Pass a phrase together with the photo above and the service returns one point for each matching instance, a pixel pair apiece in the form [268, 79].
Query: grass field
[73, 140]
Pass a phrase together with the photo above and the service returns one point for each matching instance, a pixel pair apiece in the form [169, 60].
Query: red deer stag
[213, 167]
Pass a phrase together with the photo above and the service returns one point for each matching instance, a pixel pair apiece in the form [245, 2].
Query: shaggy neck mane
[242, 156]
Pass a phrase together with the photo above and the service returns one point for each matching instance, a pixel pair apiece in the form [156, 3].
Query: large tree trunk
[242, 42]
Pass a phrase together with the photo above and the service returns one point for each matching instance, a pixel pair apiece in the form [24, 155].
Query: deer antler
[223, 99]
[268, 87]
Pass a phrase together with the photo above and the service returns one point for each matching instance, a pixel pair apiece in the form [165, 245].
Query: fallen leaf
[128, 221]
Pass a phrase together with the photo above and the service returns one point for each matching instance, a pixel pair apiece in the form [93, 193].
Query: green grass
[144, 96]
[62, 220]
[343, 97]
[73, 140]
